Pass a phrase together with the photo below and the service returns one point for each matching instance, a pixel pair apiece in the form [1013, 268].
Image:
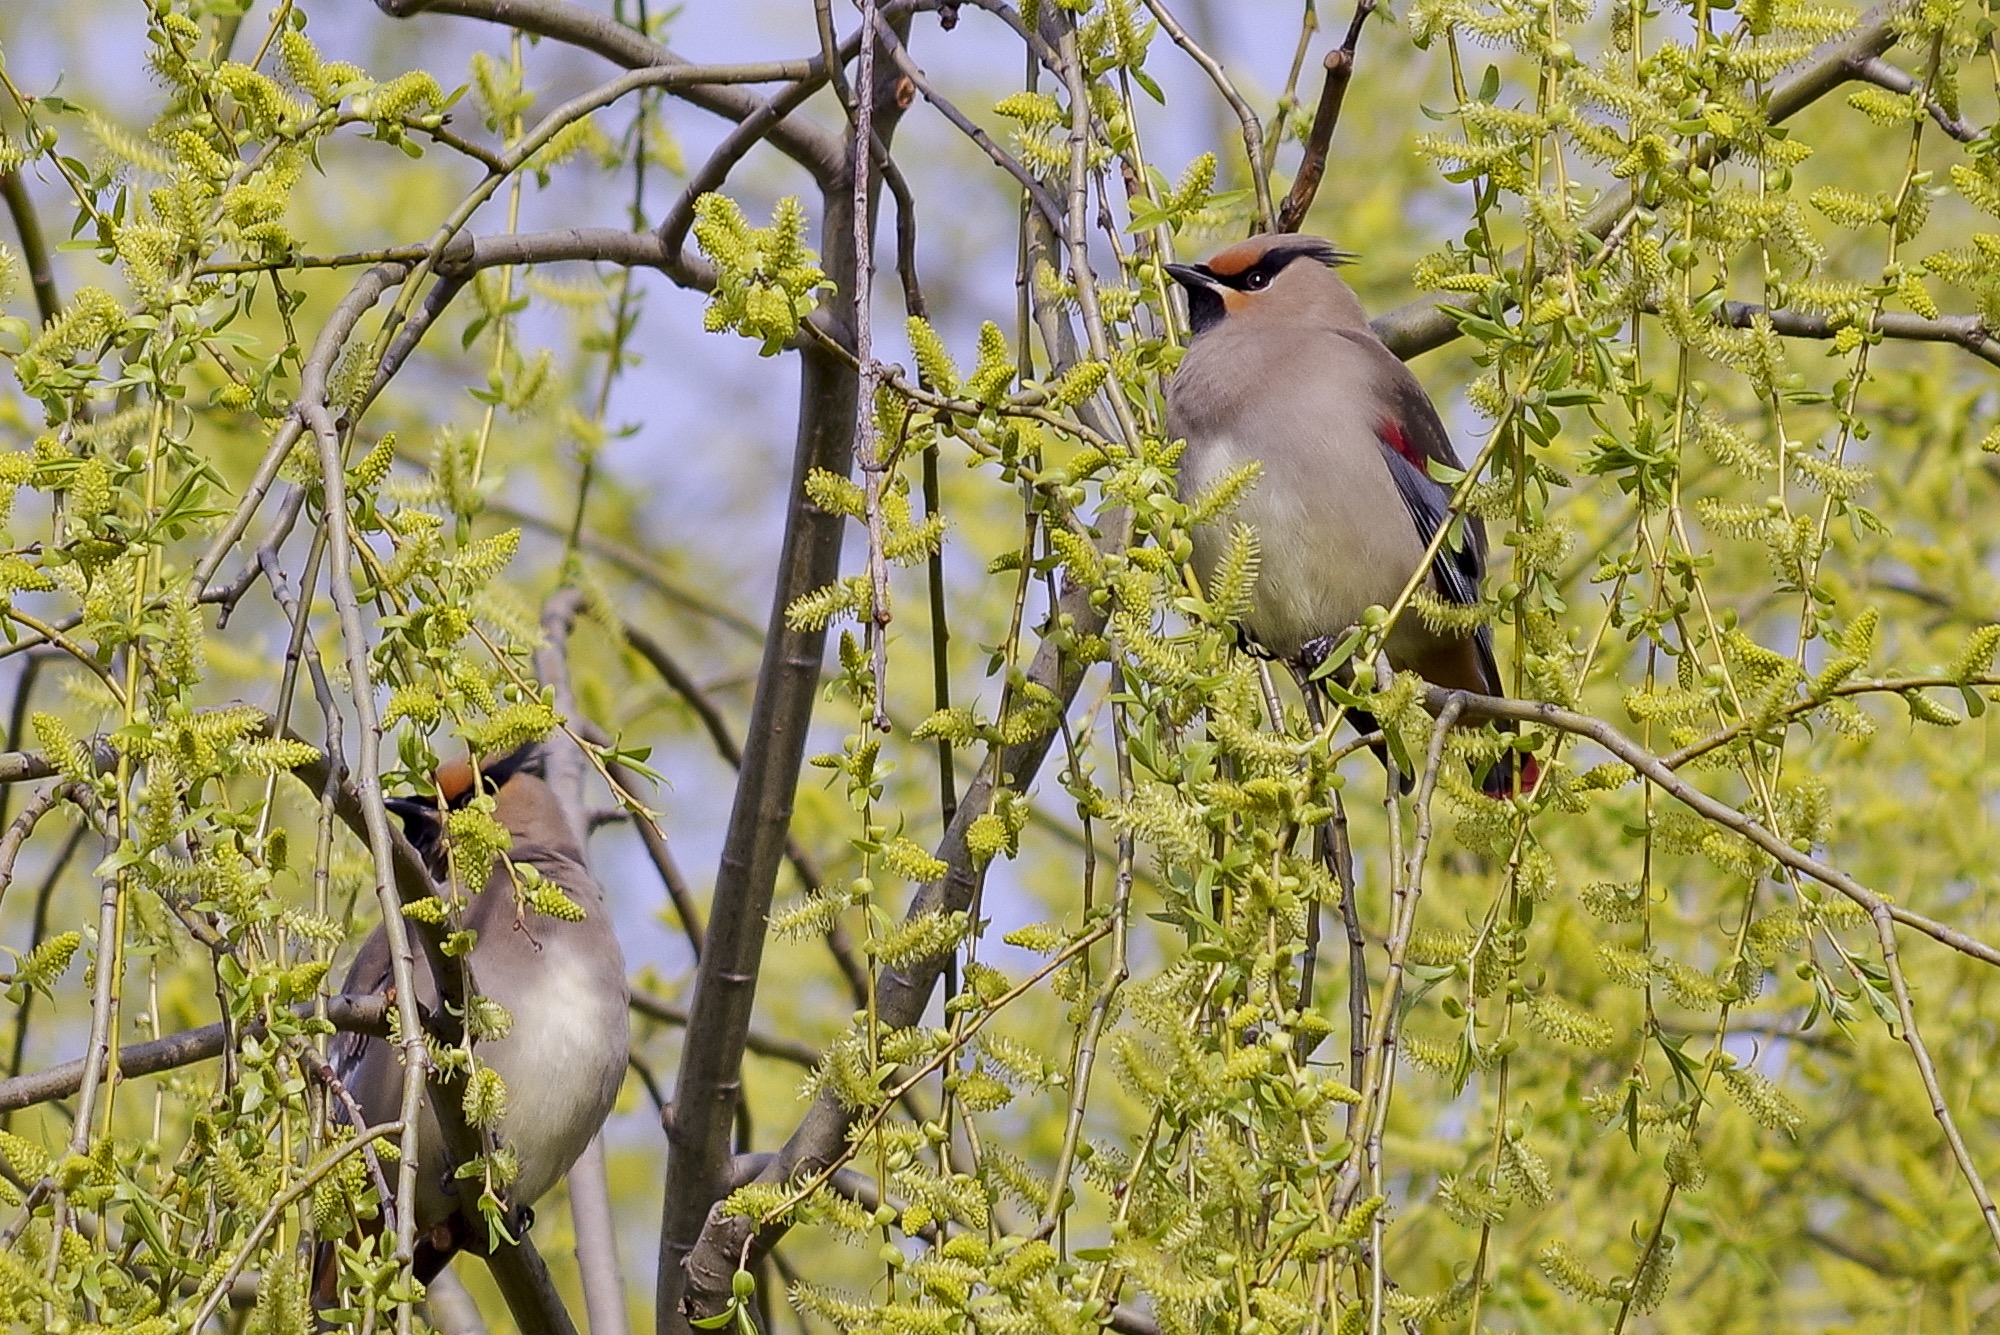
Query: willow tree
[1091, 977]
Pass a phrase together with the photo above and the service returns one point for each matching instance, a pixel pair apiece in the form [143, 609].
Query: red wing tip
[1391, 433]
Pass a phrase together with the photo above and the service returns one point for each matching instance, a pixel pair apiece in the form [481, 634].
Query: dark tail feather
[434, 1251]
[1499, 778]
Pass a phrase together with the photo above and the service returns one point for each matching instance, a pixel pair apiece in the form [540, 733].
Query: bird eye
[1257, 281]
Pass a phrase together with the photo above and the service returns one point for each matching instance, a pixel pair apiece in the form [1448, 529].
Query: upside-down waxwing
[1283, 369]
[562, 984]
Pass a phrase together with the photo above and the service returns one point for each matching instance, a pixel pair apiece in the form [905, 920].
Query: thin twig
[23, 826]
[1884, 75]
[792, 1050]
[38, 932]
[1038, 194]
[1253, 129]
[867, 450]
[283, 1202]
[1885, 933]
[730, 750]
[1339, 72]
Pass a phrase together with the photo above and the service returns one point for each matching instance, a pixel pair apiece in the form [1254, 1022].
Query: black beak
[1204, 295]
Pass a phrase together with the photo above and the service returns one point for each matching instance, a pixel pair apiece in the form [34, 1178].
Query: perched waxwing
[1283, 369]
[562, 984]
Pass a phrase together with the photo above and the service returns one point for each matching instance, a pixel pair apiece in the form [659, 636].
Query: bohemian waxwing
[1283, 369]
[562, 983]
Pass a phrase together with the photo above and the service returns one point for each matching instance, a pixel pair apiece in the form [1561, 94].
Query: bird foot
[1314, 652]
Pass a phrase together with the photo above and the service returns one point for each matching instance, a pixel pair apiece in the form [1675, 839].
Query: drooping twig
[1374, 1071]
[1709, 808]
[1339, 72]
[686, 908]
[1423, 325]
[1885, 934]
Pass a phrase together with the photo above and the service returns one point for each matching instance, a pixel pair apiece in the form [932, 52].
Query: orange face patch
[455, 781]
[1233, 261]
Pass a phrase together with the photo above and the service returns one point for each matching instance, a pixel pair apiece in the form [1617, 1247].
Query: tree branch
[811, 146]
[709, 1084]
[1339, 72]
[774, 1046]
[1966, 331]
[1709, 808]
[902, 994]
[1884, 75]
[351, 1014]
[34, 245]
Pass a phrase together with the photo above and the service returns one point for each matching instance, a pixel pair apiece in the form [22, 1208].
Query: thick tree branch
[709, 1085]
[902, 994]
[34, 245]
[1966, 331]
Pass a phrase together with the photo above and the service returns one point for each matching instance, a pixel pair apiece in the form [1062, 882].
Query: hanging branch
[1428, 323]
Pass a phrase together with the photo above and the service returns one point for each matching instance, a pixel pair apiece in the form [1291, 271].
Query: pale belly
[1334, 537]
[563, 1062]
